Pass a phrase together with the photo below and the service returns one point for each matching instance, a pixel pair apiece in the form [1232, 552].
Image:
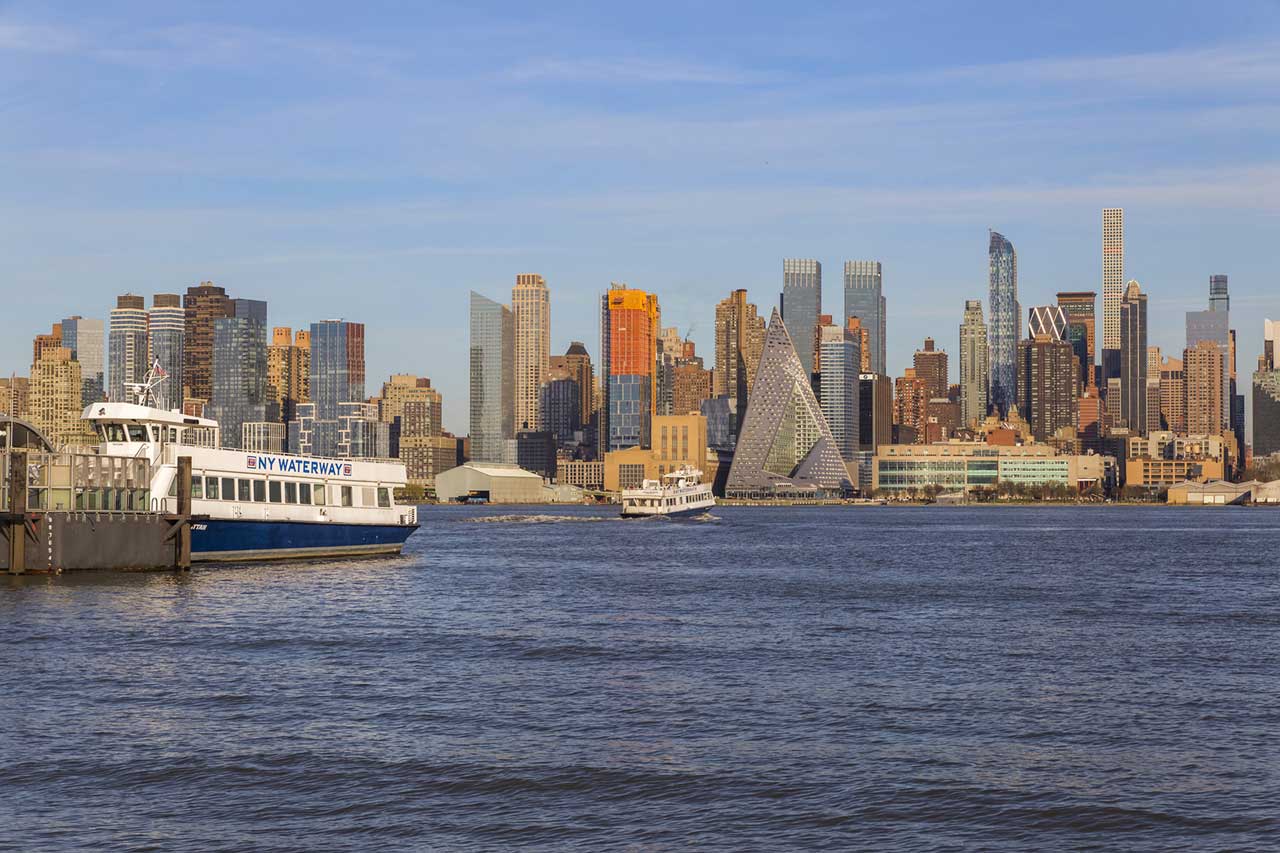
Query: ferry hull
[238, 540]
[680, 513]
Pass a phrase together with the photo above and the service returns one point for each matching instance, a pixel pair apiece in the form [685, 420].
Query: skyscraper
[128, 346]
[1154, 362]
[531, 312]
[202, 305]
[740, 333]
[54, 401]
[289, 370]
[1079, 306]
[492, 378]
[1213, 326]
[1112, 288]
[85, 338]
[168, 323]
[576, 361]
[1266, 394]
[1133, 359]
[1047, 385]
[910, 404]
[932, 369]
[1048, 320]
[801, 304]
[785, 446]
[629, 322]
[1173, 395]
[337, 377]
[975, 364]
[864, 299]
[240, 370]
[1202, 368]
[1006, 322]
[1219, 298]
[840, 357]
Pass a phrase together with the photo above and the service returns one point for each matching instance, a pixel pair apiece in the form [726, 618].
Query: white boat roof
[136, 412]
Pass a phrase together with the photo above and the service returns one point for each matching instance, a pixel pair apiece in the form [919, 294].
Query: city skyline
[299, 158]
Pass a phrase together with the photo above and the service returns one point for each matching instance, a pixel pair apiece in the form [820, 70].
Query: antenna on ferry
[148, 390]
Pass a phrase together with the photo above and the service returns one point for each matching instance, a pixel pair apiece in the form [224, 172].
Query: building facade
[1079, 306]
[864, 298]
[492, 378]
[166, 338]
[959, 466]
[1006, 322]
[239, 393]
[740, 333]
[576, 363]
[932, 369]
[840, 356]
[1203, 380]
[531, 315]
[629, 323]
[801, 304]
[975, 364]
[1133, 359]
[1047, 385]
[337, 377]
[1112, 278]
[127, 350]
[289, 370]
[202, 305]
[1266, 395]
[87, 342]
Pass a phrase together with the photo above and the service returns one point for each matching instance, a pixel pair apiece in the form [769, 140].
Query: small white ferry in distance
[257, 506]
[680, 493]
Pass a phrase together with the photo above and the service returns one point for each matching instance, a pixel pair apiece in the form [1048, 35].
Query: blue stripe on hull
[228, 539]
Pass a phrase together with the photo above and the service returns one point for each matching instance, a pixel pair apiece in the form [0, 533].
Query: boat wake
[537, 519]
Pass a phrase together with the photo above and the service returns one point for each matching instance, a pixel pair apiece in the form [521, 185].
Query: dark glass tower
[1006, 322]
[801, 305]
[240, 370]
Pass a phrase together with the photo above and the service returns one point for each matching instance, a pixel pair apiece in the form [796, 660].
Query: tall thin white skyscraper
[1112, 275]
[531, 311]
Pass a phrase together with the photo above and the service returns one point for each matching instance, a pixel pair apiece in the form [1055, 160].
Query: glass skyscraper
[1006, 322]
[337, 377]
[864, 299]
[1133, 359]
[86, 341]
[1266, 394]
[1213, 326]
[128, 346]
[840, 358]
[801, 304]
[168, 324]
[240, 370]
[492, 378]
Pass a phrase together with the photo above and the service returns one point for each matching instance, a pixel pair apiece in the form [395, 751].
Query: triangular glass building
[785, 448]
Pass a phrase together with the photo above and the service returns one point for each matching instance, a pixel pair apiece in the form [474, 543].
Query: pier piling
[16, 516]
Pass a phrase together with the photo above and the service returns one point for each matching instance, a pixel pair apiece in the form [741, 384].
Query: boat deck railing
[79, 480]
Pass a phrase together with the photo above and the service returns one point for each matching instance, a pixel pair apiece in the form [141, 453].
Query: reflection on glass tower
[1006, 317]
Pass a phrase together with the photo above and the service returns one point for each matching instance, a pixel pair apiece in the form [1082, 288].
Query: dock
[68, 511]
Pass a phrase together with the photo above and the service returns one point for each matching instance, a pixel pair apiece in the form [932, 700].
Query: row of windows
[282, 491]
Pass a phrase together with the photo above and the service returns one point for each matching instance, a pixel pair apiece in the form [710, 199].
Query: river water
[772, 678]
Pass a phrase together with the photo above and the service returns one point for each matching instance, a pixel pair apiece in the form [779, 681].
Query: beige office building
[1202, 370]
[531, 310]
[678, 440]
[54, 404]
[740, 333]
[289, 370]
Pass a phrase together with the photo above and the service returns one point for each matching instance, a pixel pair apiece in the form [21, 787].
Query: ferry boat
[257, 506]
[679, 493]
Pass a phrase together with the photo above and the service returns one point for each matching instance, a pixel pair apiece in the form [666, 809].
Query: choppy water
[873, 678]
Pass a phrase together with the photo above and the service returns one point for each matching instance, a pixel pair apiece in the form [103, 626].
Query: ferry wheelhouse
[679, 493]
[259, 506]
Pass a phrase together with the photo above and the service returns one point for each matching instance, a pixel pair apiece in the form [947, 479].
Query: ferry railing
[73, 480]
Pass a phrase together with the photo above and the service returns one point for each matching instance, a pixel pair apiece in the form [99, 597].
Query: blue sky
[377, 161]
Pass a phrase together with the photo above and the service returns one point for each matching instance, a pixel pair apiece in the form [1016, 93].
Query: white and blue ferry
[259, 506]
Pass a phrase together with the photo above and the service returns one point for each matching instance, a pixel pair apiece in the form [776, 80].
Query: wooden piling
[184, 511]
[17, 522]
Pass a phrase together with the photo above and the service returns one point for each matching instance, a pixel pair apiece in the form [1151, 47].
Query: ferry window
[318, 494]
[274, 489]
[115, 432]
[259, 491]
[242, 490]
[173, 435]
[346, 496]
[384, 497]
[137, 433]
[366, 496]
[228, 489]
[211, 488]
[173, 487]
[197, 488]
[155, 433]
[304, 493]
[291, 493]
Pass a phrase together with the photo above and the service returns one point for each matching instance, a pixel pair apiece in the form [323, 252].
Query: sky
[378, 161]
